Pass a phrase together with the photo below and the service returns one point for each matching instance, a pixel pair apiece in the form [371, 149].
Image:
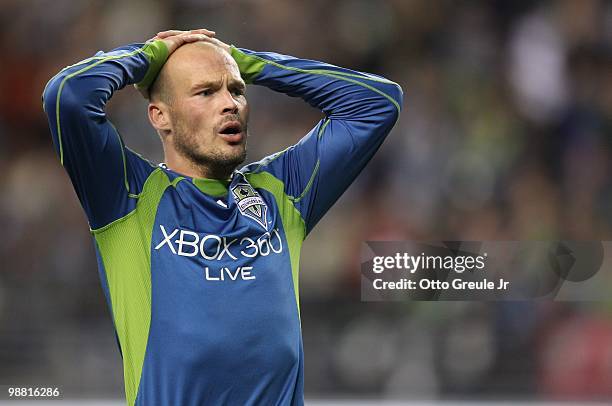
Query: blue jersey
[201, 275]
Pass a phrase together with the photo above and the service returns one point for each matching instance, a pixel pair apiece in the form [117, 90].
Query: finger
[188, 38]
[215, 41]
[203, 31]
[169, 33]
[219, 43]
[166, 34]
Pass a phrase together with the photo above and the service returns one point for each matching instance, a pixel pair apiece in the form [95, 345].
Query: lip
[228, 124]
[232, 138]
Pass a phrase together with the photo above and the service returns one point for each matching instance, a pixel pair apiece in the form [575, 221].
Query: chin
[235, 153]
[227, 159]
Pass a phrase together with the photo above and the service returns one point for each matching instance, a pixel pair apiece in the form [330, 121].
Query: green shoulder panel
[125, 248]
[293, 224]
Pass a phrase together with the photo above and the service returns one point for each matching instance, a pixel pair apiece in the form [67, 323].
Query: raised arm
[360, 110]
[107, 176]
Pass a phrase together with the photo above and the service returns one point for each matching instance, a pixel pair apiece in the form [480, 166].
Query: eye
[206, 92]
[238, 91]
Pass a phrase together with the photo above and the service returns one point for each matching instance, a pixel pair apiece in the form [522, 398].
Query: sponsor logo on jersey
[250, 203]
[225, 257]
[187, 243]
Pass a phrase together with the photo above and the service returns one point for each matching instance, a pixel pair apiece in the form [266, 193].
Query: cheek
[245, 110]
[193, 117]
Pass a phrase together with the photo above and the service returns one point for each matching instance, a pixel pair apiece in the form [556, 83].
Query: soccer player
[198, 259]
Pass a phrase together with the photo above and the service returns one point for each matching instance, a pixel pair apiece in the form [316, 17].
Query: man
[198, 260]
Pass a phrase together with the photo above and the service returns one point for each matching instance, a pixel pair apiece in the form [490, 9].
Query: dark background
[505, 135]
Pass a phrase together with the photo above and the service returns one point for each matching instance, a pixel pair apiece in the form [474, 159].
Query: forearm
[79, 93]
[91, 83]
[360, 111]
[339, 92]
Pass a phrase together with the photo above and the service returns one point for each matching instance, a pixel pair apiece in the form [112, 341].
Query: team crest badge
[250, 203]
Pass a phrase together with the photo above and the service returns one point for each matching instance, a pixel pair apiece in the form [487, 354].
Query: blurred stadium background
[506, 134]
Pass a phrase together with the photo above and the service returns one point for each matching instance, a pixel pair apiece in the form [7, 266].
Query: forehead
[201, 62]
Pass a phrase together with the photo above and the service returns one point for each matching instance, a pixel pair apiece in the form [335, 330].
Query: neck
[195, 170]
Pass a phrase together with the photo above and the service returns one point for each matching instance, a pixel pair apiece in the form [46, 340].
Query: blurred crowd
[506, 134]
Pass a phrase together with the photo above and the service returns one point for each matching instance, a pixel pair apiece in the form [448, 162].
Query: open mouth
[231, 131]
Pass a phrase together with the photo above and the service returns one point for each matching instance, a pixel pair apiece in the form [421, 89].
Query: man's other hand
[175, 38]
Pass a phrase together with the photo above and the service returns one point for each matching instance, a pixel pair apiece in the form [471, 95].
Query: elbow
[394, 103]
[398, 95]
[49, 95]
[58, 92]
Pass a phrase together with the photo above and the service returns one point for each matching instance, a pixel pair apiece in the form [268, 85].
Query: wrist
[157, 53]
[249, 65]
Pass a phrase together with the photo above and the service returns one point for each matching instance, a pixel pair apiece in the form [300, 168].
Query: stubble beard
[213, 163]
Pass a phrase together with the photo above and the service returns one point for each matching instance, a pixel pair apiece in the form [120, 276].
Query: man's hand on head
[175, 38]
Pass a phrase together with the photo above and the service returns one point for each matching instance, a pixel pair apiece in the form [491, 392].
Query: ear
[159, 116]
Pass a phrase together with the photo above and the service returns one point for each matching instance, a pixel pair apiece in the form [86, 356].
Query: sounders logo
[250, 203]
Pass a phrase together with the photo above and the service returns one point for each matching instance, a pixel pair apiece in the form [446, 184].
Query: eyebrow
[209, 83]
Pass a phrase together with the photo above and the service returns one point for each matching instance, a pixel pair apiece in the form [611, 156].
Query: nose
[230, 105]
